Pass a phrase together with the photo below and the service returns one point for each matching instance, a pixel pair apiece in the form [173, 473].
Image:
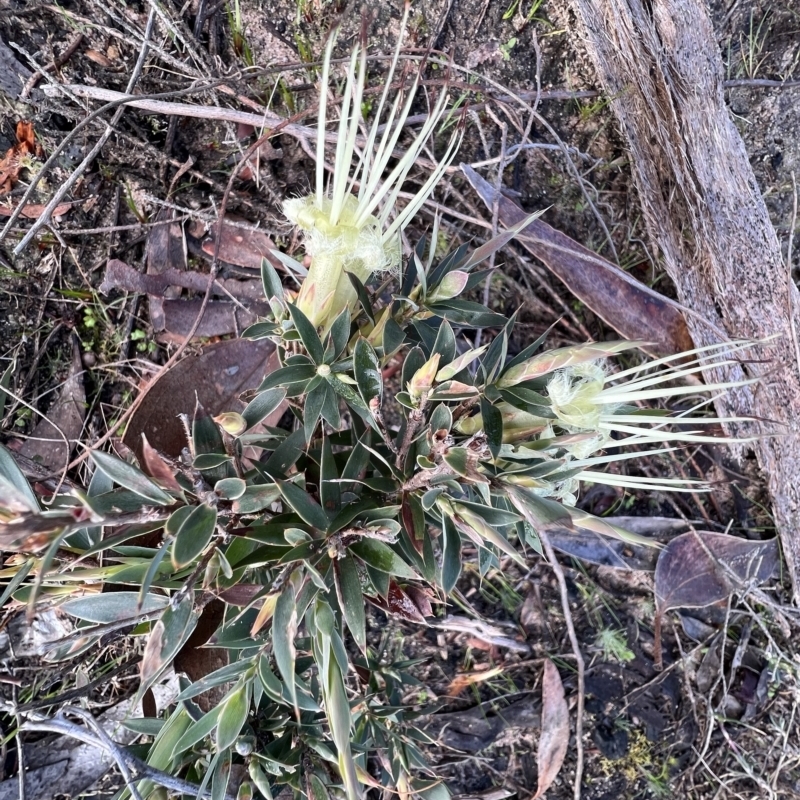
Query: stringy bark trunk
[659, 63]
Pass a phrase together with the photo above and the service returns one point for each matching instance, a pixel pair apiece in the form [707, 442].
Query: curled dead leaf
[630, 307]
[467, 679]
[155, 466]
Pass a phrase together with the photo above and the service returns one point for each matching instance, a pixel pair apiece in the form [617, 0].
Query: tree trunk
[659, 63]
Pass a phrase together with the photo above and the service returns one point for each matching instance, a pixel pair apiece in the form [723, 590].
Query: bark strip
[659, 63]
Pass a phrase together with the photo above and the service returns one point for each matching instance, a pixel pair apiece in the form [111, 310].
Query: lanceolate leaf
[165, 639]
[193, 535]
[13, 474]
[308, 509]
[367, 371]
[330, 488]
[492, 425]
[271, 280]
[451, 555]
[338, 337]
[289, 377]
[351, 599]
[312, 409]
[112, 606]
[382, 557]
[362, 296]
[308, 334]
[338, 711]
[284, 629]
[232, 717]
[131, 478]
[262, 405]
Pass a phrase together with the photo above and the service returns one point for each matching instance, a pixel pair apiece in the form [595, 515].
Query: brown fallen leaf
[35, 210]
[220, 317]
[46, 443]
[632, 309]
[701, 568]
[244, 248]
[215, 378]
[555, 729]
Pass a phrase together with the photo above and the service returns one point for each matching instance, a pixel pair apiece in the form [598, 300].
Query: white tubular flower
[360, 233]
[591, 412]
[583, 402]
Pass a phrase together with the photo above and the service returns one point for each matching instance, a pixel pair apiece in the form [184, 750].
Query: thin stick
[113, 749]
[573, 638]
[119, 754]
[20, 746]
[55, 64]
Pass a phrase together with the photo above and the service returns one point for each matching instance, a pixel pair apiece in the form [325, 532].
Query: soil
[680, 732]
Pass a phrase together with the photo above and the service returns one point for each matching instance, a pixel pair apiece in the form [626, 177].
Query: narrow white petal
[674, 436]
[644, 419]
[731, 347]
[653, 394]
[344, 158]
[625, 483]
[609, 459]
[664, 376]
[322, 117]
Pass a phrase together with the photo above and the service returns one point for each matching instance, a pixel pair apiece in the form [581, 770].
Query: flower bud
[231, 422]
[451, 286]
[423, 379]
[560, 358]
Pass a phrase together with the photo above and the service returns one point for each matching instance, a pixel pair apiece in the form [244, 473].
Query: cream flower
[360, 232]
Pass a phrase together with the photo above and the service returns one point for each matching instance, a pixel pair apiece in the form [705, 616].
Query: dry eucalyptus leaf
[701, 568]
[220, 317]
[35, 210]
[46, 445]
[632, 309]
[215, 378]
[240, 246]
[555, 729]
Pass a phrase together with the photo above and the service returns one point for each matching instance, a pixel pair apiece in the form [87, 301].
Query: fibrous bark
[659, 63]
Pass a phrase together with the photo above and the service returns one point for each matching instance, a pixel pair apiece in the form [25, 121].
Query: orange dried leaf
[31, 210]
[467, 679]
